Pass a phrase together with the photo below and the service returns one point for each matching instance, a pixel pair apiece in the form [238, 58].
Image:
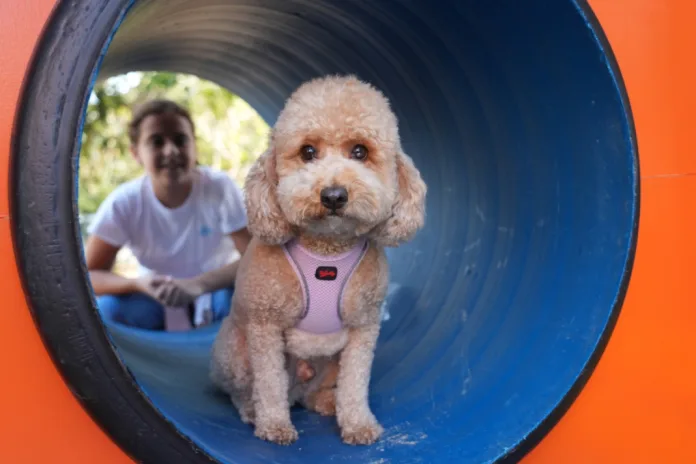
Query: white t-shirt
[181, 242]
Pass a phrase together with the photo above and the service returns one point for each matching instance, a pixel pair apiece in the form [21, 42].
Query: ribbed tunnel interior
[515, 117]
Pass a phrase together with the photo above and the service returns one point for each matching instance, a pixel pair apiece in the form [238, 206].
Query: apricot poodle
[332, 190]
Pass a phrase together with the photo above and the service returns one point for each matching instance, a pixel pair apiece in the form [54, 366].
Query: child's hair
[158, 106]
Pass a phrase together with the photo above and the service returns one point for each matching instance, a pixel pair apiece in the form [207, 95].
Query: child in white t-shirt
[182, 222]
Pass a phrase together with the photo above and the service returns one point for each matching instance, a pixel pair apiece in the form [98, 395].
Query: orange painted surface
[639, 406]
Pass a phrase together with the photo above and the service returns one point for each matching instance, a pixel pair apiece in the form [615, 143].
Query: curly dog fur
[259, 357]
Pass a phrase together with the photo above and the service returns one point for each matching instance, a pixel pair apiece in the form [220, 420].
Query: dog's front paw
[362, 433]
[280, 433]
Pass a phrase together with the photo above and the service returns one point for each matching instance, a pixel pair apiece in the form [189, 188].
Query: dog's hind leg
[242, 400]
[320, 396]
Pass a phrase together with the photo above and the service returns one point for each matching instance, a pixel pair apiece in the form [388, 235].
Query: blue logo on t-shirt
[205, 231]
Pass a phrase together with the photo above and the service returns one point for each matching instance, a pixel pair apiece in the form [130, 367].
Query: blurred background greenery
[230, 135]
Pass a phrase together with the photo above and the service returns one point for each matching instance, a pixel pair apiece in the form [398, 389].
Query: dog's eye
[308, 152]
[359, 152]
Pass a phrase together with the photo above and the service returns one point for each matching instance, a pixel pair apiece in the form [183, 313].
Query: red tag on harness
[326, 273]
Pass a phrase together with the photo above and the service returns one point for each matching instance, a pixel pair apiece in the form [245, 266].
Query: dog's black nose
[334, 198]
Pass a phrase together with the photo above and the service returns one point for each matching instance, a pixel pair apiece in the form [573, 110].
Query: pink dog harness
[323, 280]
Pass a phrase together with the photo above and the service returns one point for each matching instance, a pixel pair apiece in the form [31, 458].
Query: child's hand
[177, 292]
[149, 285]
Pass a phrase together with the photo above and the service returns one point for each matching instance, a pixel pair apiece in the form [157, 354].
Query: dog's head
[335, 167]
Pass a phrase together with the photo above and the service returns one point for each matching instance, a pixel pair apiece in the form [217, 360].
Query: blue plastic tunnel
[516, 116]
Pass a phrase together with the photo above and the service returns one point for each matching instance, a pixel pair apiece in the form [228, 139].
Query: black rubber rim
[48, 247]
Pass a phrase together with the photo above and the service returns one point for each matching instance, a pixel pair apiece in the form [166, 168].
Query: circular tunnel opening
[498, 310]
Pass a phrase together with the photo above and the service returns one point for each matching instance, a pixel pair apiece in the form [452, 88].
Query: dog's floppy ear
[408, 212]
[266, 219]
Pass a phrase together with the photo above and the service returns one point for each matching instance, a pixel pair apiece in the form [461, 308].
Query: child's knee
[133, 310]
[108, 306]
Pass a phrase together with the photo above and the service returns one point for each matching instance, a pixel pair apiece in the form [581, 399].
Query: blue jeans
[140, 310]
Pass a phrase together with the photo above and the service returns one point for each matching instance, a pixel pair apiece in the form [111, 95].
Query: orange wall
[640, 405]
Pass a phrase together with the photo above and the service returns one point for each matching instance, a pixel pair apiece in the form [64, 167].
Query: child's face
[166, 149]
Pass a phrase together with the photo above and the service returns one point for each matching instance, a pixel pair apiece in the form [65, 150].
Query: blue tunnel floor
[515, 114]
[172, 371]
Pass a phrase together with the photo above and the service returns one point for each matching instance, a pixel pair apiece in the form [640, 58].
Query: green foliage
[229, 133]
